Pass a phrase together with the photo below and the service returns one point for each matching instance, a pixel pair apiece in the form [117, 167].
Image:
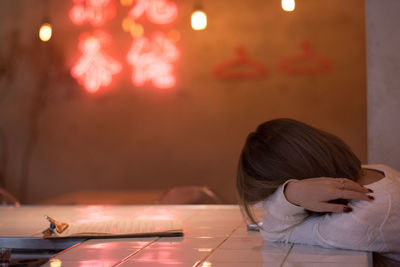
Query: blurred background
[128, 99]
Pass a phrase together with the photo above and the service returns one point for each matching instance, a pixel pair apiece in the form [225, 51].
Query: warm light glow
[288, 5]
[204, 249]
[95, 68]
[95, 12]
[94, 213]
[55, 263]
[174, 35]
[152, 60]
[127, 24]
[126, 2]
[91, 263]
[136, 30]
[157, 11]
[199, 20]
[45, 32]
[204, 264]
[159, 258]
[110, 245]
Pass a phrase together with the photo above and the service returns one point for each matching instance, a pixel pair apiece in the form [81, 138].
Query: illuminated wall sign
[94, 68]
[157, 11]
[95, 12]
[305, 62]
[240, 67]
[152, 60]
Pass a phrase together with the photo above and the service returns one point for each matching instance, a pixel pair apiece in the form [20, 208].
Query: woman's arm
[287, 222]
[315, 194]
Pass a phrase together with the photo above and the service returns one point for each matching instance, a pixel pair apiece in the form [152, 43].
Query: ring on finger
[342, 182]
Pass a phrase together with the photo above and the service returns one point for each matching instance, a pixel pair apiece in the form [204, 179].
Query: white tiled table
[214, 235]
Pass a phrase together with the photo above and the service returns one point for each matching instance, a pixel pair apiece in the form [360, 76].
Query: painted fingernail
[369, 190]
[371, 197]
[347, 209]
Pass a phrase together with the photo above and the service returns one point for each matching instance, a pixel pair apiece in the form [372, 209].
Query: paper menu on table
[115, 228]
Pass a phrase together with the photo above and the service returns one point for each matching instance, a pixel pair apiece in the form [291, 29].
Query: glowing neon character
[152, 60]
[96, 12]
[157, 11]
[94, 68]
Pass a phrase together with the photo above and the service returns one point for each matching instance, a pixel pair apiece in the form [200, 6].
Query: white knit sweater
[371, 226]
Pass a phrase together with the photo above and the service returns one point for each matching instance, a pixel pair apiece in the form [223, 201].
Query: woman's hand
[315, 193]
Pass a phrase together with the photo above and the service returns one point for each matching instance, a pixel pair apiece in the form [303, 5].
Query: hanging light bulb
[45, 32]
[288, 5]
[199, 20]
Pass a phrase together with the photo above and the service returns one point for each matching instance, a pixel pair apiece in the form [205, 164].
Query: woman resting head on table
[277, 168]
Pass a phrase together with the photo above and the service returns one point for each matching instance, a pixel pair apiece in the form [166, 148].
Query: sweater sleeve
[285, 222]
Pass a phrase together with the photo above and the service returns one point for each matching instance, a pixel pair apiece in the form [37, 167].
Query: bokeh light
[45, 32]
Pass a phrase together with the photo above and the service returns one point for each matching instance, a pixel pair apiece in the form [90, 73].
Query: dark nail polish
[347, 209]
[371, 197]
[369, 190]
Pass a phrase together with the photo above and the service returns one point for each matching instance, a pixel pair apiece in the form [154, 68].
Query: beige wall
[144, 138]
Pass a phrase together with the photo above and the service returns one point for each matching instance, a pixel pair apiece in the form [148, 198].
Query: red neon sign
[152, 60]
[96, 12]
[94, 68]
[305, 62]
[157, 11]
[240, 67]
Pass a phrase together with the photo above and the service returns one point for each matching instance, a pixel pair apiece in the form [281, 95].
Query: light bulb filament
[288, 5]
[199, 20]
[45, 32]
